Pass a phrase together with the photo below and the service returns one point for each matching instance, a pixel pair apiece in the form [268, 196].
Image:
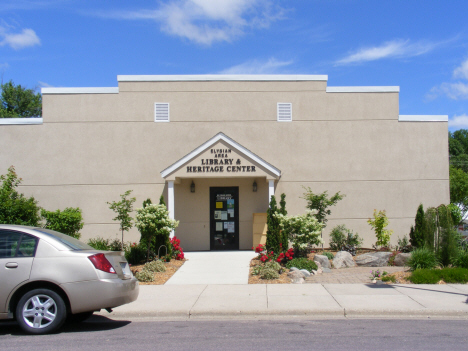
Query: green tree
[273, 227]
[320, 203]
[459, 189]
[69, 221]
[123, 208]
[379, 223]
[418, 232]
[19, 102]
[15, 208]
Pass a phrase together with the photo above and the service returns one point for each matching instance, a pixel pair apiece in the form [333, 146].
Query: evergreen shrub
[341, 237]
[136, 254]
[433, 276]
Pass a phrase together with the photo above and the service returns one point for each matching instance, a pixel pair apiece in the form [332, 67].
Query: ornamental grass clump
[461, 260]
[422, 258]
[329, 255]
[302, 263]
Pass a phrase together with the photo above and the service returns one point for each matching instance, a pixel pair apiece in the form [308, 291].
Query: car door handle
[11, 265]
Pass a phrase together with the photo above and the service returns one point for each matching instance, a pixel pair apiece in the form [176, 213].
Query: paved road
[103, 334]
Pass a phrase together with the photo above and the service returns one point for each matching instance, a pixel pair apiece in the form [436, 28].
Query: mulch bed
[160, 278]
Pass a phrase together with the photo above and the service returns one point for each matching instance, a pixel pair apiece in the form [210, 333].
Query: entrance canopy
[221, 157]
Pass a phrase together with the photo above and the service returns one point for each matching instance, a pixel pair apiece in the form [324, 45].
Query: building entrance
[224, 218]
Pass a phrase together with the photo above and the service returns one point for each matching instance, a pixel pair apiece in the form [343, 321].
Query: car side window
[27, 246]
[16, 244]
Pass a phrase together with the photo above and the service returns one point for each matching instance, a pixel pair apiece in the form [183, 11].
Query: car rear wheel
[41, 311]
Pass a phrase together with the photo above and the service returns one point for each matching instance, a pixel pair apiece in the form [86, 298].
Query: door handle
[11, 265]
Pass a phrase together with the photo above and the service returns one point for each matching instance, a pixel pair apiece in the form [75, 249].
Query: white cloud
[45, 85]
[453, 90]
[208, 21]
[27, 37]
[271, 66]
[391, 49]
[458, 122]
[462, 71]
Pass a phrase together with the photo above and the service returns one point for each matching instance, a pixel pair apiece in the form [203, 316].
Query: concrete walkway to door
[214, 267]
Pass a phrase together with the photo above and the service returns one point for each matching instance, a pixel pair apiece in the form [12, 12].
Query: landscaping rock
[401, 259]
[295, 274]
[373, 259]
[297, 281]
[325, 270]
[314, 272]
[343, 259]
[320, 270]
[322, 261]
[305, 272]
[293, 269]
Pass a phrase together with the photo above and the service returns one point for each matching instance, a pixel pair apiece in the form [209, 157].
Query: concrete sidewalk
[267, 301]
[214, 267]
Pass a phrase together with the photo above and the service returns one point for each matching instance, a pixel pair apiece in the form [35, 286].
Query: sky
[419, 45]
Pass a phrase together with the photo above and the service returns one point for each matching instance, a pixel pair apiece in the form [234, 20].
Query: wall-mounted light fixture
[192, 187]
[254, 186]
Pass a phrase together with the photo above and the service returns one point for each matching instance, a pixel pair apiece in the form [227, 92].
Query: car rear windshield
[67, 240]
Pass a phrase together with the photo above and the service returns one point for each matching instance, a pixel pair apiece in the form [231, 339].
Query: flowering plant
[177, 251]
[375, 274]
[302, 230]
[284, 257]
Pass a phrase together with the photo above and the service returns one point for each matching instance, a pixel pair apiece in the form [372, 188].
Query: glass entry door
[224, 218]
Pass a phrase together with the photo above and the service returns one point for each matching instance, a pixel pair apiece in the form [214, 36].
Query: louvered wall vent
[161, 112]
[284, 112]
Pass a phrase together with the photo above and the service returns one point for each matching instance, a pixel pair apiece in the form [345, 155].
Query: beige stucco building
[206, 142]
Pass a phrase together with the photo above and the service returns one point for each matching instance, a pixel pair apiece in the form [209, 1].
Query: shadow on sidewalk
[392, 286]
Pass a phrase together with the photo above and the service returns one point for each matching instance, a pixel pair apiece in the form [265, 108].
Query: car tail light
[102, 263]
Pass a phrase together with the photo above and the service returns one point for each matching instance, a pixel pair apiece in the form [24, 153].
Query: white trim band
[106, 90]
[423, 118]
[11, 121]
[212, 141]
[221, 77]
[389, 89]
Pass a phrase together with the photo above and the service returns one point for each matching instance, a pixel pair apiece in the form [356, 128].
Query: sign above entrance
[221, 162]
[221, 157]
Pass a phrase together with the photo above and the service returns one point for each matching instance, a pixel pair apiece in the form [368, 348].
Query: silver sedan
[48, 277]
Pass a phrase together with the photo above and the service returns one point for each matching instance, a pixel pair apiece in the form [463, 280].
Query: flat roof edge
[370, 89]
[423, 118]
[106, 90]
[26, 120]
[221, 77]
